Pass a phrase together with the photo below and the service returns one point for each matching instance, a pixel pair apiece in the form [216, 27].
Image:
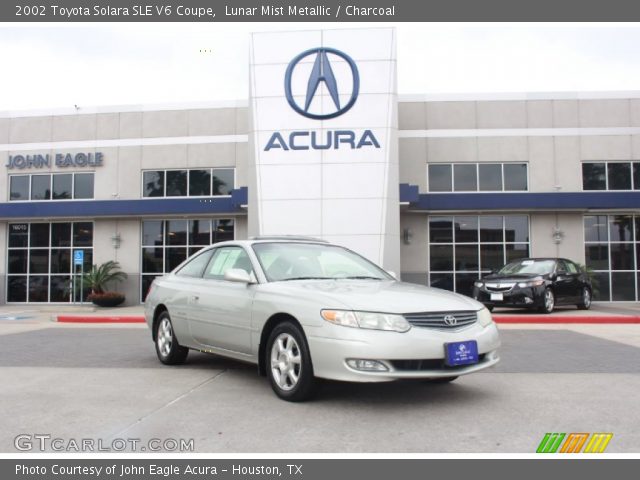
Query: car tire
[441, 380]
[288, 363]
[548, 301]
[585, 299]
[169, 351]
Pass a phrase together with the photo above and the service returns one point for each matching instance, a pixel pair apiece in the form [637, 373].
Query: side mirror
[237, 275]
[393, 274]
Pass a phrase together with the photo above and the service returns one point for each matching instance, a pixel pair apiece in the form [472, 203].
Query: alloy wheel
[586, 298]
[165, 337]
[549, 300]
[286, 361]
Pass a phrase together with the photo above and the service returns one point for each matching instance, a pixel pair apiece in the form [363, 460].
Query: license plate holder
[461, 353]
[497, 297]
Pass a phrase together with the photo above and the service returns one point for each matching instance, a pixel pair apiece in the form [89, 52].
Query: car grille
[499, 287]
[441, 319]
[427, 364]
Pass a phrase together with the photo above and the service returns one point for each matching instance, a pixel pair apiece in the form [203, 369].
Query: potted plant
[97, 279]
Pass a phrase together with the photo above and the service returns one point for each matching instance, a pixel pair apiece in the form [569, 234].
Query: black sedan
[535, 283]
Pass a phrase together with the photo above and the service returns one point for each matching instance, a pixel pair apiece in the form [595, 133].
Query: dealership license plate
[497, 297]
[461, 353]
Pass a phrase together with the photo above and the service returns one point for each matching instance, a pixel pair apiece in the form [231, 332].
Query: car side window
[225, 258]
[571, 267]
[195, 266]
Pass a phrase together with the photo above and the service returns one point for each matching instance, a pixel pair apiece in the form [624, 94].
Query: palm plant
[100, 275]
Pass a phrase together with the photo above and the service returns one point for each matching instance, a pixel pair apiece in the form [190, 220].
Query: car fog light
[367, 365]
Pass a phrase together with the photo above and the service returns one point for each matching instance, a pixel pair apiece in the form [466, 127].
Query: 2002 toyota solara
[303, 309]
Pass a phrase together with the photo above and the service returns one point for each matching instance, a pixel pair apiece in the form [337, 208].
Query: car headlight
[531, 283]
[484, 317]
[368, 320]
[478, 284]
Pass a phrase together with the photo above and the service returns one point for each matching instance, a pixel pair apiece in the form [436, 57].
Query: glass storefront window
[197, 182]
[612, 253]
[478, 177]
[19, 187]
[611, 175]
[167, 243]
[39, 268]
[57, 186]
[463, 248]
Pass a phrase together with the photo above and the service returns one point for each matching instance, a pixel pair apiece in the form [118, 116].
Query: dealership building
[440, 189]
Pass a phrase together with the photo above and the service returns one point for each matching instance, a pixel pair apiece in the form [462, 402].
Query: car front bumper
[418, 353]
[528, 297]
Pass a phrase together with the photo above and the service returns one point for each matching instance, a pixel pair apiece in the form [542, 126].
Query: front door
[220, 313]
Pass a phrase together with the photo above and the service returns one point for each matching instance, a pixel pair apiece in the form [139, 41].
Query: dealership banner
[312, 469]
[317, 10]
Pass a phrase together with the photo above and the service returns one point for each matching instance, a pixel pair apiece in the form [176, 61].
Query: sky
[59, 66]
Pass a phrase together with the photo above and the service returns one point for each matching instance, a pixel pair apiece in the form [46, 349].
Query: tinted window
[464, 178]
[636, 176]
[439, 178]
[466, 229]
[490, 177]
[60, 234]
[176, 183]
[515, 177]
[595, 228]
[153, 184]
[593, 176]
[516, 228]
[83, 185]
[40, 187]
[440, 229]
[195, 266]
[621, 228]
[174, 256]
[39, 235]
[19, 187]
[223, 230]
[199, 232]
[83, 234]
[491, 229]
[176, 232]
[19, 235]
[619, 175]
[199, 182]
[152, 232]
[62, 186]
[223, 181]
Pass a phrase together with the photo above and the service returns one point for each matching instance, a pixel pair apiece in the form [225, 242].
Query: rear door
[220, 312]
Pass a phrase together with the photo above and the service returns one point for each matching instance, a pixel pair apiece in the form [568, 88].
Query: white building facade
[440, 189]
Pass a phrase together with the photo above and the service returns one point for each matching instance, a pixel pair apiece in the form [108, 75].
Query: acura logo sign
[322, 73]
[450, 320]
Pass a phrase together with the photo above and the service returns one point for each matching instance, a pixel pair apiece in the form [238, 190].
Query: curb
[549, 319]
[99, 319]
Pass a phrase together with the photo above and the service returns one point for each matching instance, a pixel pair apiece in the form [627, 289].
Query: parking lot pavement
[104, 382]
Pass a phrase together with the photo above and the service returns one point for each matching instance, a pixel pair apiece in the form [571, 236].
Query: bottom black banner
[315, 469]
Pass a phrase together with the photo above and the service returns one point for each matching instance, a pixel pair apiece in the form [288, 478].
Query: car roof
[540, 259]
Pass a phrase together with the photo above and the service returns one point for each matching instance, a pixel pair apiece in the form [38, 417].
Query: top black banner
[319, 11]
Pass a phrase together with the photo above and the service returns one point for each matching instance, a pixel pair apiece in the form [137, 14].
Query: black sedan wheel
[585, 299]
[549, 301]
[169, 351]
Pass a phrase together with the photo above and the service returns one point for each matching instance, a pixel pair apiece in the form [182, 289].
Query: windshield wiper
[305, 278]
[359, 277]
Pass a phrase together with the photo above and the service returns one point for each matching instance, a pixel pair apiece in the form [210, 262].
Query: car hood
[380, 296]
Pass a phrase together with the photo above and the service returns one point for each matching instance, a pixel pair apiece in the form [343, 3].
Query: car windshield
[540, 267]
[310, 261]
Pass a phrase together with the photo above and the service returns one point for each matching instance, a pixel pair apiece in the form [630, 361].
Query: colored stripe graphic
[550, 443]
[598, 442]
[574, 443]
